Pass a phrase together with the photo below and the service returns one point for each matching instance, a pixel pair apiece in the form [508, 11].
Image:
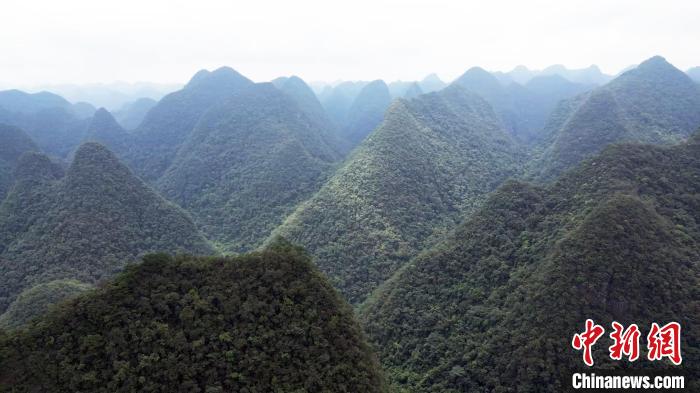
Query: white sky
[81, 41]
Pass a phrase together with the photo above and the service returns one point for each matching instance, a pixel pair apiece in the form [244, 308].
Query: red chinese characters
[625, 342]
[587, 339]
[665, 342]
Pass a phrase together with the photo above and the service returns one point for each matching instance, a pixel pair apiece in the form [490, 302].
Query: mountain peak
[221, 76]
[93, 158]
[102, 119]
[37, 166]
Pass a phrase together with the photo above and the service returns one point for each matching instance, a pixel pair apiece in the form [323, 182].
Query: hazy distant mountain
[47, 118]
[366, 112]
[694, 73]
[170, 122]
[262, 322]
[83, 110]
[111, 95]
[655, 102]
[585, 76]
[398, 89]
[432, 159]
[104, 129]
[431, 83]
[413, 91]
[247, 164]
[536, 263]
[524, 110]
[338, 100]
[13, 143]
[85, 224]
[131, 114]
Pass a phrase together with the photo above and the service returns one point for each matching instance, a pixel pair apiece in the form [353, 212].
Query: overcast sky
[81, 41]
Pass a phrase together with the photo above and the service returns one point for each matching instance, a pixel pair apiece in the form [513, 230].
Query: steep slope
[366, 112]
[247, 164]
[84, 225]
[13, 143]
[104, 129]
[170, 122]
[654, 102]
[494, 307]
[131, 114]
[263, 322]
[432, 159]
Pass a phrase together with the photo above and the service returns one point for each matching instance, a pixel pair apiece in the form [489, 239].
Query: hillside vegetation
[262, 322]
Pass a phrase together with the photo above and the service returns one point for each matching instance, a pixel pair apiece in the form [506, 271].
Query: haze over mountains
[458, 219]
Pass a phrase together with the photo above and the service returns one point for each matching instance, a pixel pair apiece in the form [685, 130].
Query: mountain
[111, 96]
[83, 225]
[413, 91]
[432, 159]
[13, 143]
[494, 306]
[37, 300]
[263, 322]
[587, 76]
[83, 110]
[47, 118]
[21, 102]
[655, 102]
[131, 114]
[169, 123]
[366, 112]
[431, 83]
[248, 162]
[338, 100]
[104, 129]
[523, 110]
[694, 73]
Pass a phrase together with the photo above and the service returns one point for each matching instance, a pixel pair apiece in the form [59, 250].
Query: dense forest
[85, 224]
[466, 228]
[262, 322]
[432, 159]
[499, 300]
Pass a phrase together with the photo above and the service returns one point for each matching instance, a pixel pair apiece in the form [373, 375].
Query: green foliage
[494, 307]
[131, 114]
[36, 301]
[247, 164]
[13, 143]
[262, 322]
[433, 159]
[653, 103]
[84, 225]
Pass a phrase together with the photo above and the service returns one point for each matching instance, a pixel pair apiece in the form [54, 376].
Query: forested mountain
[48, 119]
[247, 164]
[432, 159]
[83, 110]
[170, 122]
[366, 112]
[37, 300]
[104, 129]
[263, 322]
[85, 224]
[523, 110]
[13, 143]
[432, 83]
[495, 306]
[131, 114]
[655, 102]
